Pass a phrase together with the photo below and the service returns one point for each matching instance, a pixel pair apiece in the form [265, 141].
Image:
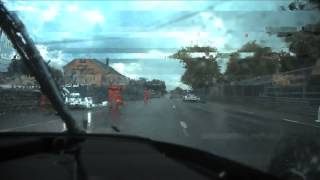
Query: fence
[295, 91]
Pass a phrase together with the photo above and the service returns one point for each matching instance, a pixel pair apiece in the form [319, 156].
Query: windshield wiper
[15, 30]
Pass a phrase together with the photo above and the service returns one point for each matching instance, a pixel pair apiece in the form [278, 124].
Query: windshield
[233, 78]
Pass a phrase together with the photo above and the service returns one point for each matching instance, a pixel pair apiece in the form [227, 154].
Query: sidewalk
[22, 120]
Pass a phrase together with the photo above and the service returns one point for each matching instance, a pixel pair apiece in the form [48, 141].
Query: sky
[138, 36]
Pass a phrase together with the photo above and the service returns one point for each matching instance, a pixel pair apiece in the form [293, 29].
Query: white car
[191, 97]
[76, 101]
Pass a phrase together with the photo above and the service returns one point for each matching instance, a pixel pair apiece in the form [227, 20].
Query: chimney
[107, 62]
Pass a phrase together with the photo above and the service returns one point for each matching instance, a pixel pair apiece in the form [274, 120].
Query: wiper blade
[15, 30]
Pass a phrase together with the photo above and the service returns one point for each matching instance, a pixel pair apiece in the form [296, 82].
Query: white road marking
[183, 124]
[64, 126]
[184, 128]
[173, 106]
[290, 120]
[298, 122]
[185, 132]
[222, 174]
[89, 115]
[26, 126]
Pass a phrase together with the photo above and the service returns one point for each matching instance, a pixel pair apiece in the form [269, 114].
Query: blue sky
[139, 35]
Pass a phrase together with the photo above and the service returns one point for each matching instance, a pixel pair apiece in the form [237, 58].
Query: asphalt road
[238, 133]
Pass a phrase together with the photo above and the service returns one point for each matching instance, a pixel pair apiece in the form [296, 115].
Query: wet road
[247, 136]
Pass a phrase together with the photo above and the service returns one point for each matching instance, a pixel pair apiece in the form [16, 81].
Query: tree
[200, 72]
[262, 62]
[56, 74]
[233, 70]
[156, 85]
[303, 5]
[18, 67]
[288, 62]
[305, 45]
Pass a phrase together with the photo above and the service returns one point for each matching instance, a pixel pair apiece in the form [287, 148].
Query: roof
[101, 64]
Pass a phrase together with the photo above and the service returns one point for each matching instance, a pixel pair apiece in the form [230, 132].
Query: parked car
[74, 100]
[191, 97]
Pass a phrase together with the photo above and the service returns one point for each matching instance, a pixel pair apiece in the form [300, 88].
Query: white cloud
[94, 17]
[118, 67]
[72, 8]
[206, 15]
[218, 23]
[55, 57]
[43, 50]
[26, 8]
[131, 70]
[50, 13]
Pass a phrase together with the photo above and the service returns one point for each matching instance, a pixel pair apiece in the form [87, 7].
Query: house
[92, 72]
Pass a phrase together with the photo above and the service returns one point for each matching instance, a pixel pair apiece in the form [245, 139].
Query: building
[92, 72]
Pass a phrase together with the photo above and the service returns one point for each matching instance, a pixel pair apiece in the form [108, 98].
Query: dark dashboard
[48, 156]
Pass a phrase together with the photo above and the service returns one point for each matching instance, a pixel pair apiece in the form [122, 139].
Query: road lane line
[183, 124]
[185, 132]
[184, 128]
[89, 115]
[26, 126]
[297, 122]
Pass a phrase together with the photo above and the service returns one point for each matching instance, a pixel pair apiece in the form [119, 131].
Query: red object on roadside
[115, 98]
[145, 96]
[42, 102]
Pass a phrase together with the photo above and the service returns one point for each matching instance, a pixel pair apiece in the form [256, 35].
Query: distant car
[191, 98]
[104, 103]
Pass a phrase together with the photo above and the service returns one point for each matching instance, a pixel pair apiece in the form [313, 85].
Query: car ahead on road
[191, 98]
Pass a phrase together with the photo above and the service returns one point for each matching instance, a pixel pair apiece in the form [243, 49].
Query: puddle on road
[89, 115]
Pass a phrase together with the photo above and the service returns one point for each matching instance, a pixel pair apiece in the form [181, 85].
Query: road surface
[241, 134]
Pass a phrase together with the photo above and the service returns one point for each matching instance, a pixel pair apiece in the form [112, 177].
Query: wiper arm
[16, 32]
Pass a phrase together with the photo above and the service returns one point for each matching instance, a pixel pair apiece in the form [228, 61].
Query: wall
[16, 100]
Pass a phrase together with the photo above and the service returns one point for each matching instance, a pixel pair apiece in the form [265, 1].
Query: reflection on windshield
[231, 78]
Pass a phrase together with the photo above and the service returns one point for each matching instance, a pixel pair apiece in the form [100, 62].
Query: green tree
[233, 70]
[303, 5]
[305, 45]
[288, 62]
[56, 74]
[18, 67]
[156, 85]
[200, 72]
[262, 62]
